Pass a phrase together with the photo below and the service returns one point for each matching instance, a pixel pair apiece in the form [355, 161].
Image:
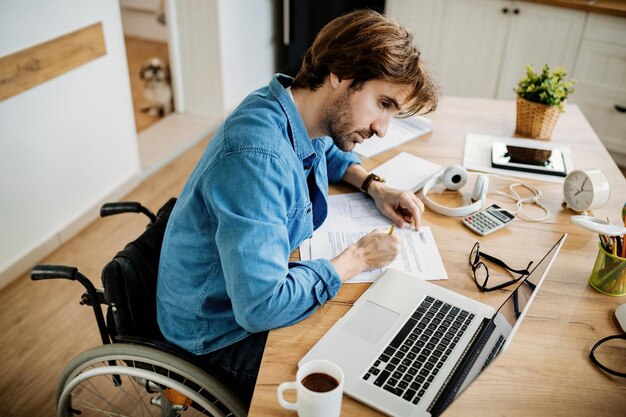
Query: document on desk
[352, 216]
[406, 171]
[399, 132]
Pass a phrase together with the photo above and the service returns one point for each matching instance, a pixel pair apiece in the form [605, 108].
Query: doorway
[138, 52]
[145, 37]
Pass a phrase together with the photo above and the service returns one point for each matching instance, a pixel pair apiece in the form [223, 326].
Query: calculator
[488, 220]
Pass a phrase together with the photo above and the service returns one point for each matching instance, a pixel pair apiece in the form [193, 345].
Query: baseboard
[27, 261]
[159, 144]
[54, 242]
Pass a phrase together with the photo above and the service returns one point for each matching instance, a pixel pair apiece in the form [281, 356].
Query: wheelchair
[135, 371]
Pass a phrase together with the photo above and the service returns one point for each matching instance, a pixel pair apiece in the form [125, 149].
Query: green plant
[545, 87]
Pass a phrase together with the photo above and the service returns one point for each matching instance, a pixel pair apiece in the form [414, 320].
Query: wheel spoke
[89, 384]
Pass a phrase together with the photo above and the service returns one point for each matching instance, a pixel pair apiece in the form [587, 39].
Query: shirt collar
[301, 142]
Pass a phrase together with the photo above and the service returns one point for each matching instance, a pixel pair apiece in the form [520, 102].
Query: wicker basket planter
[535, 120]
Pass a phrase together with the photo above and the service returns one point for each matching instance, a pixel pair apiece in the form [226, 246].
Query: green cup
[609, 273]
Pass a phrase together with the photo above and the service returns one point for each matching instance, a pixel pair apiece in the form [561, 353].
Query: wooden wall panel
[35, 65]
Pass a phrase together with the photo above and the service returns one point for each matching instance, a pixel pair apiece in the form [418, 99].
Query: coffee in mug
[319, 390]
[320, 382]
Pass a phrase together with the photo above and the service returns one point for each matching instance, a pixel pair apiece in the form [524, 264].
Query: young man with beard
[261, 188]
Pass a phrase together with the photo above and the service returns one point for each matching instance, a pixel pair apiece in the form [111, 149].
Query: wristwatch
[368, 181]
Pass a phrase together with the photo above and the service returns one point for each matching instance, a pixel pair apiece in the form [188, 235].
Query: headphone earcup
[480, 189]
[454, 177]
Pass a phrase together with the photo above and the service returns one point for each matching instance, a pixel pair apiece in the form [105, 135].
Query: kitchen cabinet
[479, 48]
[473, 40]
[423, 18]
[538, 34]
[601, 81]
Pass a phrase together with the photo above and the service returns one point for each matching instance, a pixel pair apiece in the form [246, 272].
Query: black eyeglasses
[481, 272]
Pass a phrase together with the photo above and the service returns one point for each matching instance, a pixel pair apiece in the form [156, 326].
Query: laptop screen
[498, 333]
[517, 304]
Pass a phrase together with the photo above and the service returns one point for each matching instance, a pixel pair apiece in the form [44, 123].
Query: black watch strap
[368, 181]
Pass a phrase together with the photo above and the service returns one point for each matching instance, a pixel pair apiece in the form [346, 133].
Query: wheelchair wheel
[133, 380]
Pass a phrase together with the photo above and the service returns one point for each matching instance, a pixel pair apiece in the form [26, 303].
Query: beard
[337, 123]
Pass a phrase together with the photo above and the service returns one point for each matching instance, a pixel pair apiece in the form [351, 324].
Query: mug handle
[281, 400]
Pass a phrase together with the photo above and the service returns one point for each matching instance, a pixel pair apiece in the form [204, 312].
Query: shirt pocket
[300, 224]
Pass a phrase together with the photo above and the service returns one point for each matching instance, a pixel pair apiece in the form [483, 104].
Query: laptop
[408, 347]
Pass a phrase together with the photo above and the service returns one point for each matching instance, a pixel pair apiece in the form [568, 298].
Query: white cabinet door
[539, 34]
[601, 80]
[472, 45]
[423, 17]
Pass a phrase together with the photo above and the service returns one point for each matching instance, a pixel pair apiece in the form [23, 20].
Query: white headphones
[453, 178]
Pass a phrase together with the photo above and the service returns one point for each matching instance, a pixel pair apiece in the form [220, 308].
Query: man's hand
[399, 206]
[374, 250]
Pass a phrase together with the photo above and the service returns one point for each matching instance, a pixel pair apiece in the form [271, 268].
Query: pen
[605, 243]
[393, 227]
[615, 246]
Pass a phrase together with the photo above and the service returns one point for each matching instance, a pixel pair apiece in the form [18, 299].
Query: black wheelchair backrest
[130, 282]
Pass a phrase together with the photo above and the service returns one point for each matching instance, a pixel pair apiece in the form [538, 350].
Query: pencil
[393, 227]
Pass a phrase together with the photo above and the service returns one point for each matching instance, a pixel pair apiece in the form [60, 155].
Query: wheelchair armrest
[46, 271]
[110, 209]
[91, 298]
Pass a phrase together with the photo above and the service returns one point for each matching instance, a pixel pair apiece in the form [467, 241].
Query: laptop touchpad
[370, 322]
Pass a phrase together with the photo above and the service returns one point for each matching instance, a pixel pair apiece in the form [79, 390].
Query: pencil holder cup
[609, 274]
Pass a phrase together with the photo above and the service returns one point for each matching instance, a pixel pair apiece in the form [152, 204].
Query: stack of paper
[399, 132]
[352, 216]
[406, 171]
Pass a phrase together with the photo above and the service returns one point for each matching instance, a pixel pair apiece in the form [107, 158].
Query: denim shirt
[224, 271]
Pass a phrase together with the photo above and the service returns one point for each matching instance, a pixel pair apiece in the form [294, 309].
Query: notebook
[406, 171]
[408, 347]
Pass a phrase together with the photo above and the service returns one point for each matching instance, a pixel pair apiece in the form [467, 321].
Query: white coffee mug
[310, 402]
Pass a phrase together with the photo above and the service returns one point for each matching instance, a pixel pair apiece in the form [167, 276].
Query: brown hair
[364, 45]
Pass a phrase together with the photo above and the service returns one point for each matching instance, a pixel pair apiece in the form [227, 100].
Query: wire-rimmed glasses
[481, 272]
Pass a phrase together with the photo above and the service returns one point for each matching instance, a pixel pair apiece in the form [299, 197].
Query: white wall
[247, 52]
[221, 50]
[66, 144]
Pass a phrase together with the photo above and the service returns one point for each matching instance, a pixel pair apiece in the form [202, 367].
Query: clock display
[586, 190]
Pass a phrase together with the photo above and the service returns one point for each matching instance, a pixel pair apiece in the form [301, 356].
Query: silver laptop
[409, 347]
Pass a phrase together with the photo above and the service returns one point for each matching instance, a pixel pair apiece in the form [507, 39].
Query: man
[261, 188]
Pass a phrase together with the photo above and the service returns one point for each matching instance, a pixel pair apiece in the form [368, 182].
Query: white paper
[406, 171]
[399, 132]
[351, 216]
[419, 255]
[477, 156]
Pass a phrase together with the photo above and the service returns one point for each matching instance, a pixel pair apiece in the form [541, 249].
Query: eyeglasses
[481, 272]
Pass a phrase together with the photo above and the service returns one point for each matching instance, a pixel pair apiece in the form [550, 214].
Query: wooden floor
[138, 52]
[43, 326]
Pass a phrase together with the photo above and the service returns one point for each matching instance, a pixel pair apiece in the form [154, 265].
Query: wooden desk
[546, 370]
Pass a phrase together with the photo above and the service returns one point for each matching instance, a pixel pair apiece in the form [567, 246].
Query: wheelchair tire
[124, 379]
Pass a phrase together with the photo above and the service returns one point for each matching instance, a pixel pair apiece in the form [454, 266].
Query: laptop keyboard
[414, 357]
[494, 351]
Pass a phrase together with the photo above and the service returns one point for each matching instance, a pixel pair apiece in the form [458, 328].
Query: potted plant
[541, 97]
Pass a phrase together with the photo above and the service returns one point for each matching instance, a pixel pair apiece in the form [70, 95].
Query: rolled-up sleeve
[338, 161]
[252, 237]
